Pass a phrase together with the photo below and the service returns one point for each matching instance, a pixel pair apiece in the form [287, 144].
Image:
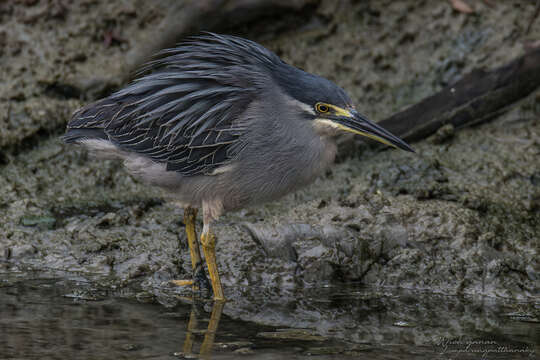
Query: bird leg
[199, 278]
[208, 241]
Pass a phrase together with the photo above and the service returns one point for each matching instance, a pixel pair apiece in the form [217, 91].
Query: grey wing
[186, 119]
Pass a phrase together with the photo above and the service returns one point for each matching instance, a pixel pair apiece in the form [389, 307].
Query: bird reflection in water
[194, 332]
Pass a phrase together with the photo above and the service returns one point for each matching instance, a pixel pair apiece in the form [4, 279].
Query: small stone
[244, 351]
[325, 350]
[444, 134]
[42, 222]
[130, 347]
[234, 345]
[145, 297]
[402, 323]
[292, 334]
[20, 251]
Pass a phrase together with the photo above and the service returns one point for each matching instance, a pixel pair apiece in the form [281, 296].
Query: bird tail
[74, 135]
[88, 122]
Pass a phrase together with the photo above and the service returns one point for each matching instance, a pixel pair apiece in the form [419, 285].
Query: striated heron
[221, 122]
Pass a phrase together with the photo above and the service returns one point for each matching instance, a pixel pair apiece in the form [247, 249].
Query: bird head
[330, 118]
[329, 107]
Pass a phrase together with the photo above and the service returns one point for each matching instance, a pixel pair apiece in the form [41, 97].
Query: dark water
[72, 319]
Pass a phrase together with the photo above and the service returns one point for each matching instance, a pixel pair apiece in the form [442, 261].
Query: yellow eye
[322, 108]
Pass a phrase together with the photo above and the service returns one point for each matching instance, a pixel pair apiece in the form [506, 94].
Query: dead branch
[477, 97]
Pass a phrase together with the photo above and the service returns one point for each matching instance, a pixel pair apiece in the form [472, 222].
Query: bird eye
[322, 108]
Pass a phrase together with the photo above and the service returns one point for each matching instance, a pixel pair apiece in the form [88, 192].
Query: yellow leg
[190, 214]
[208, 241]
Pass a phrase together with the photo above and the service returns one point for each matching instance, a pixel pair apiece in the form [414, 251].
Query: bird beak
[357, 123]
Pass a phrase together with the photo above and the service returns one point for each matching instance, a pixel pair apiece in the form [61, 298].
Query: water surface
[71, 318]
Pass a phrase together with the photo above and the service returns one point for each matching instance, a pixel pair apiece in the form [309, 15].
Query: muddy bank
[459, 217]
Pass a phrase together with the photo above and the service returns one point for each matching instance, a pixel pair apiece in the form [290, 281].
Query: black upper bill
[359, 124]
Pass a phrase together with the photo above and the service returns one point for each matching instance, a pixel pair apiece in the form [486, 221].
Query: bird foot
[199, 281]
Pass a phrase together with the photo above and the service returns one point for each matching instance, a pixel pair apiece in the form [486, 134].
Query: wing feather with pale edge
[185, 111]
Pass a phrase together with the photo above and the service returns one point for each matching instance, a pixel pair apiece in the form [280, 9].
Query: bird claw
[182, 282]
[200, 281]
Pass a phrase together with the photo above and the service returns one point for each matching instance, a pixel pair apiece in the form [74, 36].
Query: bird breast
[276, 162]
